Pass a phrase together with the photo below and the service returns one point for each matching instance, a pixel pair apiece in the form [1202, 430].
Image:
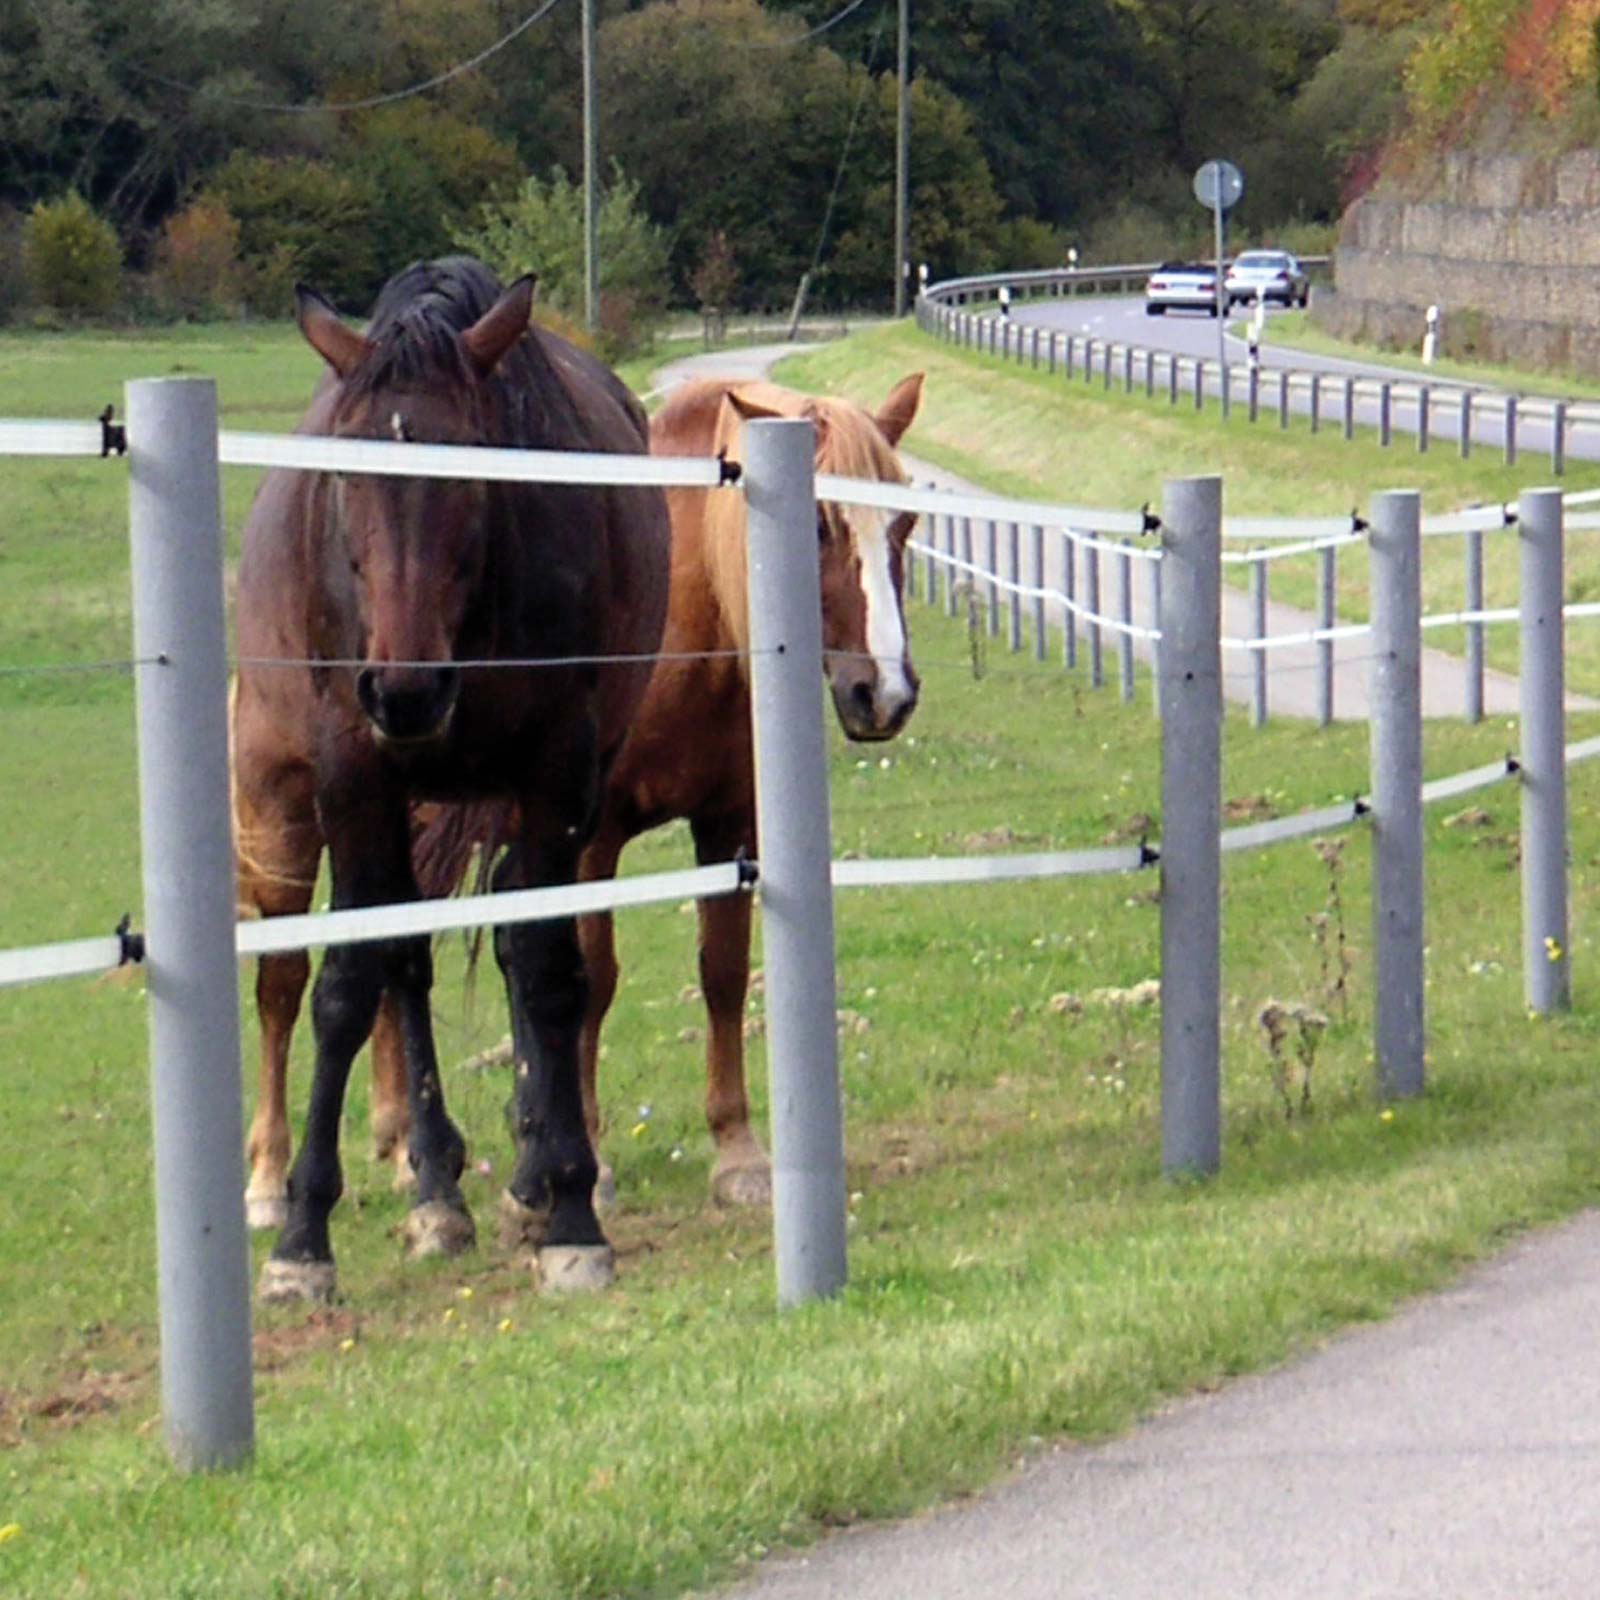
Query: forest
[197, 157]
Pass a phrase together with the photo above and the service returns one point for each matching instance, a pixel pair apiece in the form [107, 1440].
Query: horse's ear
[326, 331]
[494, 333]
[748, 410]
[900, 409]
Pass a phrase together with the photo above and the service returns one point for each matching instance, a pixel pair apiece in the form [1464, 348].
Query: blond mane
[849, 444]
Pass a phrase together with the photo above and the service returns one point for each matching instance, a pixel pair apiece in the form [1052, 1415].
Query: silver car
[1181, 286]
[1269, 274]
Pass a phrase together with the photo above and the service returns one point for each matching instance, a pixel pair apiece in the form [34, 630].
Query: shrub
[197, 260]
[297, 219]
[72, 256]
[13, 271]
[541, 230]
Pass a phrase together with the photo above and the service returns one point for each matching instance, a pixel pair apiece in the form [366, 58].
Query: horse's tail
[444, 839]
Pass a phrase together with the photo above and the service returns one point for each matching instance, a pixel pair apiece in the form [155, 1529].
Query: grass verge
[1020, 1270]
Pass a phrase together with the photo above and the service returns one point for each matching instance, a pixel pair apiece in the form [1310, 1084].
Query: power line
[375, 100]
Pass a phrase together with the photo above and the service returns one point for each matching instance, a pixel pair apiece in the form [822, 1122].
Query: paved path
[1452, 1453]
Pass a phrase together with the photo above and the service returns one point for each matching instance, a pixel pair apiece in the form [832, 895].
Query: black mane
[414, 334]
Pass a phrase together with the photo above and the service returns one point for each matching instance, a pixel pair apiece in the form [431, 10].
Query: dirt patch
[275, 1347]
[90, 1394]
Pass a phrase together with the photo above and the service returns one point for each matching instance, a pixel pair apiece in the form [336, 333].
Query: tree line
[226, 149]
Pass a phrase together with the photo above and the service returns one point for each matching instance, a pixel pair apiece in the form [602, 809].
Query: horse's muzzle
[408, 705]
[866, 712]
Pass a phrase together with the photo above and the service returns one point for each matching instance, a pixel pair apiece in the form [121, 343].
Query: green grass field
[1020, 1271]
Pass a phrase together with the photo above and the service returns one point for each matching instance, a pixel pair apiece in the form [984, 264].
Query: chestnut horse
[688, 752]
[386, 624]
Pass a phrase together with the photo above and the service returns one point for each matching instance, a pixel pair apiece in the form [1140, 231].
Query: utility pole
[902, 162]
[591, 251]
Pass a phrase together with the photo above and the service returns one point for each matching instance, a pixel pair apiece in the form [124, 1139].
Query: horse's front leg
[549, 1205]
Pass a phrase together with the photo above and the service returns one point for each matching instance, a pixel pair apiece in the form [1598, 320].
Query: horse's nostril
[367, 690]
[861, 698]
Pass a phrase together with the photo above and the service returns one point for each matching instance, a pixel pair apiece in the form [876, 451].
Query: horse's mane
[414, 343]
[849, 444]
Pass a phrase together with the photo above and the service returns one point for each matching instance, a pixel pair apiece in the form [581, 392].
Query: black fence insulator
[749, 871]
[1358, 523]
[1362, 809]
[1508, 515]
[1149, 855]
[1512, 764]
[129, 943]
[1149, 522]
[113, 435]
[728, 471]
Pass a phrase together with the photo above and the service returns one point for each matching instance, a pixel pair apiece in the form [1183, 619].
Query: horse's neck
[724, 535]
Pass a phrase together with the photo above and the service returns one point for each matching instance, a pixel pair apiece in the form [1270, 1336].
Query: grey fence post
[1511, 430]
[1014, 540]
[1473, 550]
[1191, 820]
[792, 819]
[1041, 643]
[1258, 662]
[1396, 762]
[1327, 610]
[1349, 408]
[1423, 398]
[1558, 437]
[191, 971]
[1546, 967]
[1091, 601]
[1125, 616]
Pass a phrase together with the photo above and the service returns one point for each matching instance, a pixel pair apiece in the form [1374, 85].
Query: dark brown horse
[688, 752]
[375, 592]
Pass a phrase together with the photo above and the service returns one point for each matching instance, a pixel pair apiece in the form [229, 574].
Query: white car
[1181, 286]
[1269, 275]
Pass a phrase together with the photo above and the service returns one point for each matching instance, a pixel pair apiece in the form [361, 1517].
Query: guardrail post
[1014, 541]
[1253, 390]
[1396, 761]
[1125, 616]
[1511, 430]
[1327, 610]
[1283, 398]
[1423, 397]
[954, 578]
[1385, 414]
[1473, 551]
[1546, 966]
[1069, 367]
[1041, 643]
[1149, 374]
[1558, 437]
[1127, 369]
[1349, 408]
[1172, 380]
[1316, 401]
[1466, 423]
[1155, 643]
[992, 567]
[191, 972]
[792, 818]
[1091, 600]
[1069, 587]
[1191, 820]
[1258, 663]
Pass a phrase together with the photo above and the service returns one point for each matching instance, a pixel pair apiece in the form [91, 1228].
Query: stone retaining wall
[1507, 247]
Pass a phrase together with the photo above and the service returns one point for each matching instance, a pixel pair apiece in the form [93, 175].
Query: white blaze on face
[886, 631]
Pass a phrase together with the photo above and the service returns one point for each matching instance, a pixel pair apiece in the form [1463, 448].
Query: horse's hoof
[576, 1268]
[605, 1188]
[438, 1228]
[521, 1227]
[263, 1211]
[283, 1282]
[743, 1186]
